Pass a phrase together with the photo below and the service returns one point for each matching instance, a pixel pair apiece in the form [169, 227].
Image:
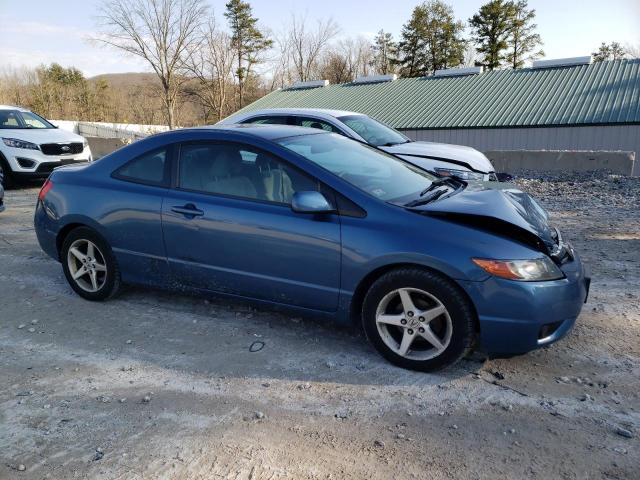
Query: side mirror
[310, 202]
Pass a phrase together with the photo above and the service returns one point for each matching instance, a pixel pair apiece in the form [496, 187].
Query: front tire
[89, 265]
[418, 319]
[6, 177]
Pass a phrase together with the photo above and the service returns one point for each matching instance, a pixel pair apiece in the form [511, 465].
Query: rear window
[149, 168]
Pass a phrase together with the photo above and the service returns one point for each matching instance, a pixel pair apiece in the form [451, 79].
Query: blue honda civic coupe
[429, 266]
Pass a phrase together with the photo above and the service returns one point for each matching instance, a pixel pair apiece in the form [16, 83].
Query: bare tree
[211, 64]
[159, 31]
[633, 51]
[307, 45]
[358, 55]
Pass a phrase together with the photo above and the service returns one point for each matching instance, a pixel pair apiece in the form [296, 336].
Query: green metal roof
[600, 93]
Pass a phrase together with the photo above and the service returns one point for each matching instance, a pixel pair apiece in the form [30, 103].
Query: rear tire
[89, 265]
[418, 319]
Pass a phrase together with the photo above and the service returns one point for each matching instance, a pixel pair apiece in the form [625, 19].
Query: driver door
[228, 227]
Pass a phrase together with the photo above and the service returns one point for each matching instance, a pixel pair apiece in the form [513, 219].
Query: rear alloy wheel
[418, 319]
[89, 265]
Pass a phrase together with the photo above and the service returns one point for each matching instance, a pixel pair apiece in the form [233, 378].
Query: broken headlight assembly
[461, 174]
[534, 270]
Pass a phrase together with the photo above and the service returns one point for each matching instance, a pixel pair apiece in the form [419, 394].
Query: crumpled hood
[498, 207]
[458, 153]
[41, 135]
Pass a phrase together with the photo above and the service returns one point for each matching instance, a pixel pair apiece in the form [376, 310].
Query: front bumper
[517, 317]
[33, 164]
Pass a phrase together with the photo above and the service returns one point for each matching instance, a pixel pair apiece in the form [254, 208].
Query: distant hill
[124, 80]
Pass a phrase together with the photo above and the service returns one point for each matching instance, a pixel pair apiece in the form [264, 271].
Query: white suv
[31, 147]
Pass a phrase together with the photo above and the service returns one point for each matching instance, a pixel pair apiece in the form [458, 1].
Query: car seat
[225, 176]
[274, 183]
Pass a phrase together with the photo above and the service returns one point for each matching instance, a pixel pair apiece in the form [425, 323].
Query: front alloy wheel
[418, 319]
[414, 324]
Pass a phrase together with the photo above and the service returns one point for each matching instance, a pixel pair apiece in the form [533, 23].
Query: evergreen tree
[431, 40]
[248, 41]
[612, 51]
[384, 51]
[523, 40]
[411, 47]
[491, 28]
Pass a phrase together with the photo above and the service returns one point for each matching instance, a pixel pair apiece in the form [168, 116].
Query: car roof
[267, 132]
[12, 107]
[300, 111]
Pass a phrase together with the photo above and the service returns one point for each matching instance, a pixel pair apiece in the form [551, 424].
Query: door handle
[189, 210]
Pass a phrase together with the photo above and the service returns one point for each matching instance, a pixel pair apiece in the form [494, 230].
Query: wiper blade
[423, 200]
[439, 182]
[391, 144]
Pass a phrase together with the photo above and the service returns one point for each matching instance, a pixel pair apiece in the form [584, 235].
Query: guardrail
[123, 131]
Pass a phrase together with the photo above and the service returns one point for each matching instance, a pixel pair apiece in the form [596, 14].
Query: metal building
[568, 104]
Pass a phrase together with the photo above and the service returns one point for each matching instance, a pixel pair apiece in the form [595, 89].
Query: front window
[373, 132]
[239, 171]
[377, 173]
[15, 119]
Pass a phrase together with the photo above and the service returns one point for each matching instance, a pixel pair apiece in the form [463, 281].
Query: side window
[149, 168]
[275, 120]
[239, 171]
[316, 123]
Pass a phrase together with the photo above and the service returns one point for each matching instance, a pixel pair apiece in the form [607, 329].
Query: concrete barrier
[578, 161]
[104, 146]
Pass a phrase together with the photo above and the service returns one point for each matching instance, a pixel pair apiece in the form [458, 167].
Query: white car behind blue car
[443, 159]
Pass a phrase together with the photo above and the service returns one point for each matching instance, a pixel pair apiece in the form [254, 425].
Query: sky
[45, 31]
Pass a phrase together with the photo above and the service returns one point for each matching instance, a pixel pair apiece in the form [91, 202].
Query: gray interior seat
[225, 175]
[193, 169]
[275, 183]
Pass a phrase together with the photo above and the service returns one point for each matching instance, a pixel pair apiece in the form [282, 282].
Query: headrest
[226, 163]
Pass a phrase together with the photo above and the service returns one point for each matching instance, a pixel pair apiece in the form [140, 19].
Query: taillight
[48, 185]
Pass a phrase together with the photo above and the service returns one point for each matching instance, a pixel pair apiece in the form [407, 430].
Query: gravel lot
[160, 385]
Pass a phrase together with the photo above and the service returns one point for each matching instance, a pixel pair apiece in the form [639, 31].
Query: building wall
[608, 138]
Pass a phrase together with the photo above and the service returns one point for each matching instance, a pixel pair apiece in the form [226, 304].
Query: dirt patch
[160, 385]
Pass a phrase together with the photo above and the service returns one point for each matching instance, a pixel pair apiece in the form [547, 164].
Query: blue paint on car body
[165, 236]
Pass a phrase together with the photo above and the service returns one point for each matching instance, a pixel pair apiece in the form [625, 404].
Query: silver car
[444, 159]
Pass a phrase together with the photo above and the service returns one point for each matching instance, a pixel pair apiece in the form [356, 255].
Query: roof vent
[309, 84]
[455, 72]
[376, 78]
[562, 62]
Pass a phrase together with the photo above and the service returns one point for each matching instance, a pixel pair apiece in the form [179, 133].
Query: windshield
[15, 119]
[373, 132]
[377, 173]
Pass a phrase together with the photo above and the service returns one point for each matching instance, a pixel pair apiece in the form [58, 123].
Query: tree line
[206, 68]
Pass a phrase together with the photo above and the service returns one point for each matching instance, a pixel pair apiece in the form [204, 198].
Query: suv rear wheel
[418, 319]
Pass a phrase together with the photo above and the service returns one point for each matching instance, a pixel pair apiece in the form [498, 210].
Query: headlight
[463, 174]
[15, 143]
[538, 269]
[85, 144]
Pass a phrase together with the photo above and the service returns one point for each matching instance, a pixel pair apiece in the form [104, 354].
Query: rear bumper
[517, 317]
[44, 227]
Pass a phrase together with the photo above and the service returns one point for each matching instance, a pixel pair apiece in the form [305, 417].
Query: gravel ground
[160, 385]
